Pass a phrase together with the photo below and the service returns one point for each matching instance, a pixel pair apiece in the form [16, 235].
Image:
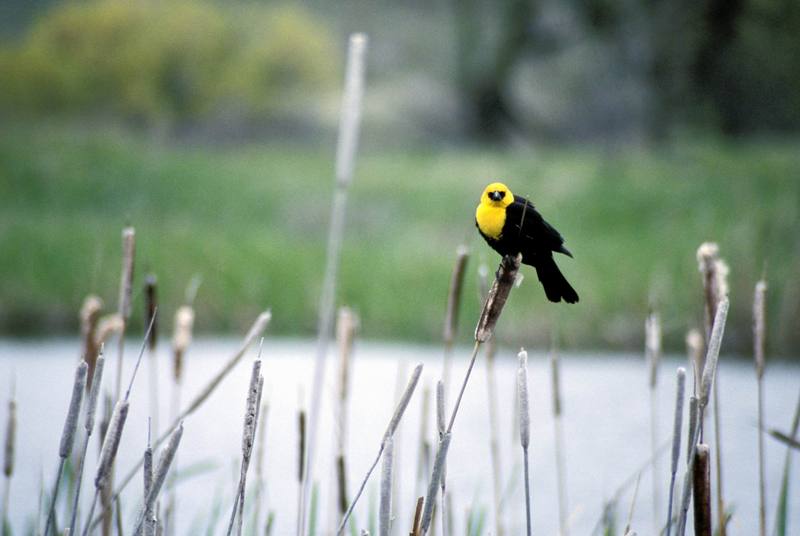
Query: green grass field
[252, 220]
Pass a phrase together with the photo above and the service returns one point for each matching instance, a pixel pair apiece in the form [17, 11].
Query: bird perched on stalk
[510, 224]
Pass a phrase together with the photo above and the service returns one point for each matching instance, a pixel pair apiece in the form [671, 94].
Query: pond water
[606, 428]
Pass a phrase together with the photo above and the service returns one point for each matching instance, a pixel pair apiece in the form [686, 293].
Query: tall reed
[248, 439]
[653, 357]
[524, 429]
[440, 427]
[150, 306]
[491, 393]
[759, 329]
[345, 335]
[8, 457]
[715, 287]
[707, 379]
[390, 429]
[257, 500]
[676, 441]
[561, 468]
[782, 513]
[89, 318]
[149, 513]
[451, 313]
[349, 125]
[88, 429]
[67, 439]
[385, 507]
[125, 291]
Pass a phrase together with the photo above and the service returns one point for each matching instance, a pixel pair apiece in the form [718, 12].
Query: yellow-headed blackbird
[510, 224]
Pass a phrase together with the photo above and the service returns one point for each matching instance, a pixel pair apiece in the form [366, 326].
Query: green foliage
[155, 61]
[253, 222]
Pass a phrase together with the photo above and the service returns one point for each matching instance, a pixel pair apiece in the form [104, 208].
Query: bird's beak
[495, 196]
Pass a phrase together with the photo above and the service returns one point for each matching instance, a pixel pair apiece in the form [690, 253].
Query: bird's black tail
[555, 284]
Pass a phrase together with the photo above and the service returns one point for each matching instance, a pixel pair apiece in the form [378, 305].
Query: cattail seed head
[403, 403]
[678, 422]
[126, 279]
[89, 317]
[759, 326]
[150, 306]
[94, 393]
[440, 416]
[712, 354]
[523, 400]
[653, 345]
[71, 423]
[694, 347]
[11, 438]
[454, 295]
[556, 382]
[346, 325]
[111, 443]
[385, 507]
[182, 337]
[106, 327]
[498, 295]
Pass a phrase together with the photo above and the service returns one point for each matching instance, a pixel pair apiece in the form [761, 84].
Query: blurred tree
[486, 56]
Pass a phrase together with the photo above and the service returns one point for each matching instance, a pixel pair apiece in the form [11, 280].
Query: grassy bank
[252, 221]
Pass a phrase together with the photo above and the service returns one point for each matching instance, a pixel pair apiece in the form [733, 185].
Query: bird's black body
[526, 232]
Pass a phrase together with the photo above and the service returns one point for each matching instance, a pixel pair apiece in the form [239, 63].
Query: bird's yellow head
[497, 195]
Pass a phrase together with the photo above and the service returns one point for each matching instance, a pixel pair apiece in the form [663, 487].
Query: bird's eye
[497, 195]
[501, 194]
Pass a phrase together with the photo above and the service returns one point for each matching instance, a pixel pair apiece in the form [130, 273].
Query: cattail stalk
[782, 513]
[627, 530]
[676, 441]
[89, 318]
[159, 476]
[248, 439]
[125, 290]
[385, 507]
[301, 464]
[451, 313]
[390, 429]
[702, 491]
[759, 332]
[417, 517]
[706, 381]
[561, 469]
[440, 427]
[491, 392]
[423, 455]
[694, 347]
[653, 357]
[715, 286]
[345, 334]
[149, 517]
[255, 331]
[345, 163]
[67, 438]
[88, 427]
[8, 456]
[433, 485]
[524, 429]
[151, 304]
[262, 418]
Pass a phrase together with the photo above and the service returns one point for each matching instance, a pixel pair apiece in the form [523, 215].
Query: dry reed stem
[89, 316]
[440, 427]
[88, 426]
[702, 491]
[694, 348]
[125, 289]
[451, 312]
[150, 307]
[759, 337]
[248, 439]
[385, 505]
[677, 426]
[181, 339]
[498, 294]
[417, 517]
[390, 429]
[149, 518]
[159, 476]
[345, 334]
[524, 429]
[67, 438]
[561, 470]
[347, 144]
[433, 485]
[423, 454]
[254, 332]
[633, 505]
[8, 454]
[262, 417]
[653, 357]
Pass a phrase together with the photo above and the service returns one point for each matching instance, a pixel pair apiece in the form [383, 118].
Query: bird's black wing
[524, 221]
